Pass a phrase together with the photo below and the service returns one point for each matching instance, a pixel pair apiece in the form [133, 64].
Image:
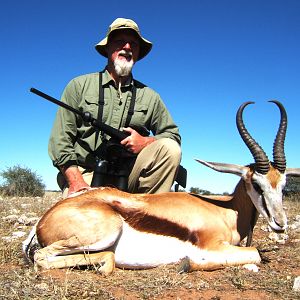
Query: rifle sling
[101, 106]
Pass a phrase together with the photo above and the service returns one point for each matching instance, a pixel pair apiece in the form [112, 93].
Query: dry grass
[19, 281]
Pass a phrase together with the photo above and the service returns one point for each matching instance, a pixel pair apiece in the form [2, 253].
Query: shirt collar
[107, 79]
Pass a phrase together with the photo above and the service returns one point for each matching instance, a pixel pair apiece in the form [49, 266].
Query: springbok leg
[57, 255]
[223, 256]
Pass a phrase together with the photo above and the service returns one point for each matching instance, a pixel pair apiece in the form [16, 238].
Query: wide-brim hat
[124, 24]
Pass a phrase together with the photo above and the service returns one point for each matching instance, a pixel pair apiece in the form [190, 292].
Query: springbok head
[264, 180]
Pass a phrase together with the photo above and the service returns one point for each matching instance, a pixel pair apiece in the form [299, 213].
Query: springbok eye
[257, 187]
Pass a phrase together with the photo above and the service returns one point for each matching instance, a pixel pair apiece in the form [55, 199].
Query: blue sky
[208, 57]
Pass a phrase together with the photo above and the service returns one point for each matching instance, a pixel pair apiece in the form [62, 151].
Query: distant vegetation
[21, 182]
[292, 188]
[198, 191]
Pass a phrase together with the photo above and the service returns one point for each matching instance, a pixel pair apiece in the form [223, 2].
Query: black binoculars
[113, 166]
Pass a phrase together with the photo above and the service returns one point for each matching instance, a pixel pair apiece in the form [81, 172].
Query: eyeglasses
[121, 43]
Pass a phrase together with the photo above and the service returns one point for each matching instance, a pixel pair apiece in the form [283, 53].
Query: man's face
[122, 51]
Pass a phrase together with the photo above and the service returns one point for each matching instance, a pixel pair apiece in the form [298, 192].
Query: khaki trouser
[154, 170]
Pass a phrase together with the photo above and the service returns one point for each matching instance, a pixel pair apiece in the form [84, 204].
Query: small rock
[296, 286]
[280, 238]
[42, 286]
[11, 218]
[203, 285]
[15, 235]
[292, 226]
[18, 234]
[25, 205]
[295, 226]
[266, 228]
[14, 211]
[24, 220]
[32, 221]
[251, 267]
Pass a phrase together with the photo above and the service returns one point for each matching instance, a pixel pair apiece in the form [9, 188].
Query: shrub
[21, 182]
[196, 190]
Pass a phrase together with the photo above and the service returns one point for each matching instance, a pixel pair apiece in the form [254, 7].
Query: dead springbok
[107, 227]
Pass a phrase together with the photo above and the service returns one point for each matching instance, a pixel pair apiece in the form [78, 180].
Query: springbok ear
[225, 168]
[292, 172]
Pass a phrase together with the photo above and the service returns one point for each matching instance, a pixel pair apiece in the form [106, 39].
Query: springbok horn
[260, 157]
[278, 147]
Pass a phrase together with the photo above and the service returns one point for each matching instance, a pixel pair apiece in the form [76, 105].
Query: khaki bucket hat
[121, 24]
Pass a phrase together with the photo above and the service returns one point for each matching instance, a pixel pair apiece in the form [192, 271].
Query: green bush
[21, 182]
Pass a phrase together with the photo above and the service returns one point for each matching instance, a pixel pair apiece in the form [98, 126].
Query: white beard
[123, 67]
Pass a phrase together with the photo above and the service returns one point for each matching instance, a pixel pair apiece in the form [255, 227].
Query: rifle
[109, 165]
[111, 157]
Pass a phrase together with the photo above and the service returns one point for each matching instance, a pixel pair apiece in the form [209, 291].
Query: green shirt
[72, 142]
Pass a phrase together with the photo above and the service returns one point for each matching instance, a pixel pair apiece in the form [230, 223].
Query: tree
[21, 181]
[198, 191]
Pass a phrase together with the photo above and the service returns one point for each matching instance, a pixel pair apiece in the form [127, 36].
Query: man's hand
[74, 179]
[135, 142]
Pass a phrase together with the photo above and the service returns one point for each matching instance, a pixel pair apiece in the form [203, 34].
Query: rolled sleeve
[164, 124]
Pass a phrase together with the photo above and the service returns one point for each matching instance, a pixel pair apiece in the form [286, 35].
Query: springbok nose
[281, 224]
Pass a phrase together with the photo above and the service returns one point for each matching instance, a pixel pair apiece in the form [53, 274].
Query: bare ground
[280, 267]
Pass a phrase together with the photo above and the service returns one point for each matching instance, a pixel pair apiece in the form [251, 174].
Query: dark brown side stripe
[147, 223]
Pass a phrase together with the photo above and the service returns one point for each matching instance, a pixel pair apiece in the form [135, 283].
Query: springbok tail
[30, 245]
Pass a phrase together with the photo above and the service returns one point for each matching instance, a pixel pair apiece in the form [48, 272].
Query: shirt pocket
[139, 117]
[91, 105]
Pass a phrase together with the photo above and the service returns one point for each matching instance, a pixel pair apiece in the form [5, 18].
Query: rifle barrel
[53, 100]
[114, 133]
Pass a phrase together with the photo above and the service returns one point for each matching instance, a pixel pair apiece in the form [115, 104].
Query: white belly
[136, 249]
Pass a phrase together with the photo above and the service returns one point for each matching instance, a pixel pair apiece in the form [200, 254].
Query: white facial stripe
[268, 202]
